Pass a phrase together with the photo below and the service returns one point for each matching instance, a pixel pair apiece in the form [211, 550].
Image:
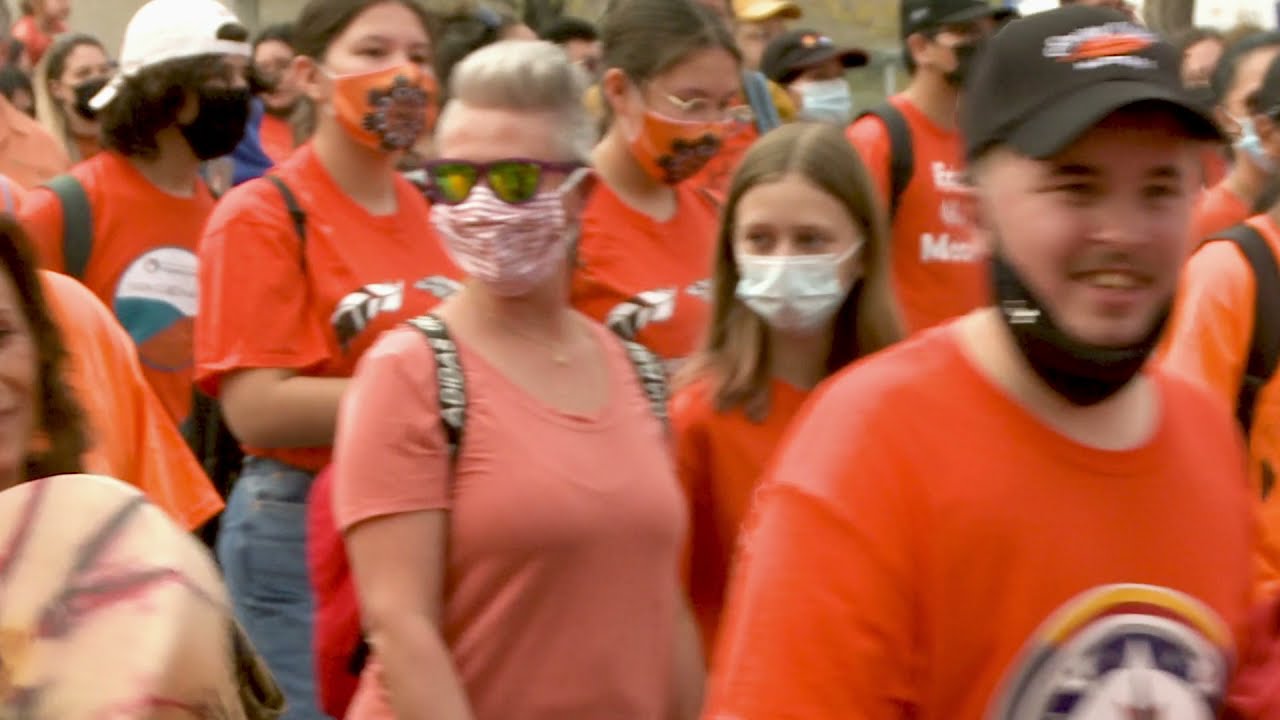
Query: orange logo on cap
[1107, 46]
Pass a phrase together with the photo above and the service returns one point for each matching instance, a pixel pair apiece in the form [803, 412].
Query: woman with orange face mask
[299, 273]
[644, 260]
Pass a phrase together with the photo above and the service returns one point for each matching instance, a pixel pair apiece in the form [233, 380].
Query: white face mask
[826, 101]
[793, 293]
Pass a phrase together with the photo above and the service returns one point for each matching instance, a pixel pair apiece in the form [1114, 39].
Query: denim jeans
[262, 548]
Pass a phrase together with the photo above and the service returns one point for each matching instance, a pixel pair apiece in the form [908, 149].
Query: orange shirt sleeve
[41, 216]
[132, 436]
[820, 621]
[871, 139]
[254, 309]
[1208, 337]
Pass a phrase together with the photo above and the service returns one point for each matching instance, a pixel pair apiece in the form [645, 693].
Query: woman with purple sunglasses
[503, 483]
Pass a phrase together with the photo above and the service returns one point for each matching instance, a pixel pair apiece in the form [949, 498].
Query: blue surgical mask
[1251, 145]
[795, 293]
[826, 101]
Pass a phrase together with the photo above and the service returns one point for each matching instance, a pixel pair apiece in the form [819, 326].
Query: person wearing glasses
[645, 257]
[290, 299]
[529, 571]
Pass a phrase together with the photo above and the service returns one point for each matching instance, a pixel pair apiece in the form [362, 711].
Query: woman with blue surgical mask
[800, 289]
[811, 67]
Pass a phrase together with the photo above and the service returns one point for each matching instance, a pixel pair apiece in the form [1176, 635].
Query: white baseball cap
[166, 30]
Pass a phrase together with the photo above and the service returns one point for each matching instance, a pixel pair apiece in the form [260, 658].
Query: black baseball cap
[920, 15]
[1044, 80]
[792, 53]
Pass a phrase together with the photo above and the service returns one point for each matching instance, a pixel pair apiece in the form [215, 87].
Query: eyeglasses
[704, 110]
[513, 181]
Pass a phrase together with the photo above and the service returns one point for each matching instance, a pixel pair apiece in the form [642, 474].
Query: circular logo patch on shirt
[156, 301]
[1128, 652]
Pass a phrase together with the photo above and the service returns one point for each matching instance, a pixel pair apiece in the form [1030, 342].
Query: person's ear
[918, 45]
[306, 72]
[615, 88]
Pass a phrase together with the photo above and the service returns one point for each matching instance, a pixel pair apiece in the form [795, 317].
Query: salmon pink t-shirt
[645, 279]
[564, 532]
[142, 264]
[265, 305]
[131, 436]
[939, 271]
[925, 547]
[721, 457]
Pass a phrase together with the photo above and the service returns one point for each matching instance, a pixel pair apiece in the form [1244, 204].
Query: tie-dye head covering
[110, 610]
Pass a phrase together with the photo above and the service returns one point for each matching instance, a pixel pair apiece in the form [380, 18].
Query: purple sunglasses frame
[482, 172]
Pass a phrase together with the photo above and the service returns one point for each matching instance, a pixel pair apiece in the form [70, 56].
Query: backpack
[902, 161]
[205, 430]
[341, 651]
[1264, 341]
[761, 101]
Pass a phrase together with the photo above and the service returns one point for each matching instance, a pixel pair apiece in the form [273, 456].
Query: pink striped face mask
[511, 248]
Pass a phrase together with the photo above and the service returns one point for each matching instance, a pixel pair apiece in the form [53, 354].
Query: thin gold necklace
[559, 354]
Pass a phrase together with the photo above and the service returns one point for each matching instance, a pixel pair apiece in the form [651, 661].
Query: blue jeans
[262, 547]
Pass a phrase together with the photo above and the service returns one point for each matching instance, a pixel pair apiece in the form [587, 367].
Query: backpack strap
[296, 214]
[652, 375]
[1264, 342]
[77, 224]
[451, 385]
[902, 161]
[761, 101]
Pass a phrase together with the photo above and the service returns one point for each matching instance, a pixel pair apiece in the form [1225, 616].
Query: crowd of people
[484, 365]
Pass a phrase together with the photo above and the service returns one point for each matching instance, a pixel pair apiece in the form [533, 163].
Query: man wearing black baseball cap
[913, 150]
[1008, 517]
[811, 66]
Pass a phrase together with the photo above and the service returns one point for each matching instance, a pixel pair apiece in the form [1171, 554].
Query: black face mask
[965, 52]
[1083, 374]
[84, 92]
[220, 126]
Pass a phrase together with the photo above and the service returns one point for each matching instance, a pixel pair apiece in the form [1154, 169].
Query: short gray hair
[526, 75]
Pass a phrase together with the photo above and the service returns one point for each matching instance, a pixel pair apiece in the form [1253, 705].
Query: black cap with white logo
[1044, 80]
[922, 15]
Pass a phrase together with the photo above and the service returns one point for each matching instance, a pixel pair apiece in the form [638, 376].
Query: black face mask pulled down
[84, 92]
[1084, 374]
[966, 53]
[220, 125]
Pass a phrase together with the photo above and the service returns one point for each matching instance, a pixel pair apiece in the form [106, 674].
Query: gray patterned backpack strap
[450, 383]
[652, 375]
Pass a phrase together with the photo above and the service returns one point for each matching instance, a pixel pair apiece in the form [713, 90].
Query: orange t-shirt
[142, 263]
[1217, 209]
[1208, 342]
[648, 280]
[263, 307]
[564, 532]
[928, 548]
[29, 154]
[34, 38]
[939, 271]
[132, 437]
[721, 457]
[275, 134]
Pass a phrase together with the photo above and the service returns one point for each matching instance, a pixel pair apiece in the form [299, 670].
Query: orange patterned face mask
[387, 109]
[672, 151]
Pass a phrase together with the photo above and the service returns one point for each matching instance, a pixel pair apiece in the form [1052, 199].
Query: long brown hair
[736, 356]
[59, 421]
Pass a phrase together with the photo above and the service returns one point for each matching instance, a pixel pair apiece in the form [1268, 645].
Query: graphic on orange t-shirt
[924, 546]
[142, 264]
[939, 271]
[1208, 341]
[1217, 209]
[721, 457]
[132, 437]
[263, 307]
[647, 280]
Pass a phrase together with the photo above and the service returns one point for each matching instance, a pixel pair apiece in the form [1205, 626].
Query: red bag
[340, 652]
